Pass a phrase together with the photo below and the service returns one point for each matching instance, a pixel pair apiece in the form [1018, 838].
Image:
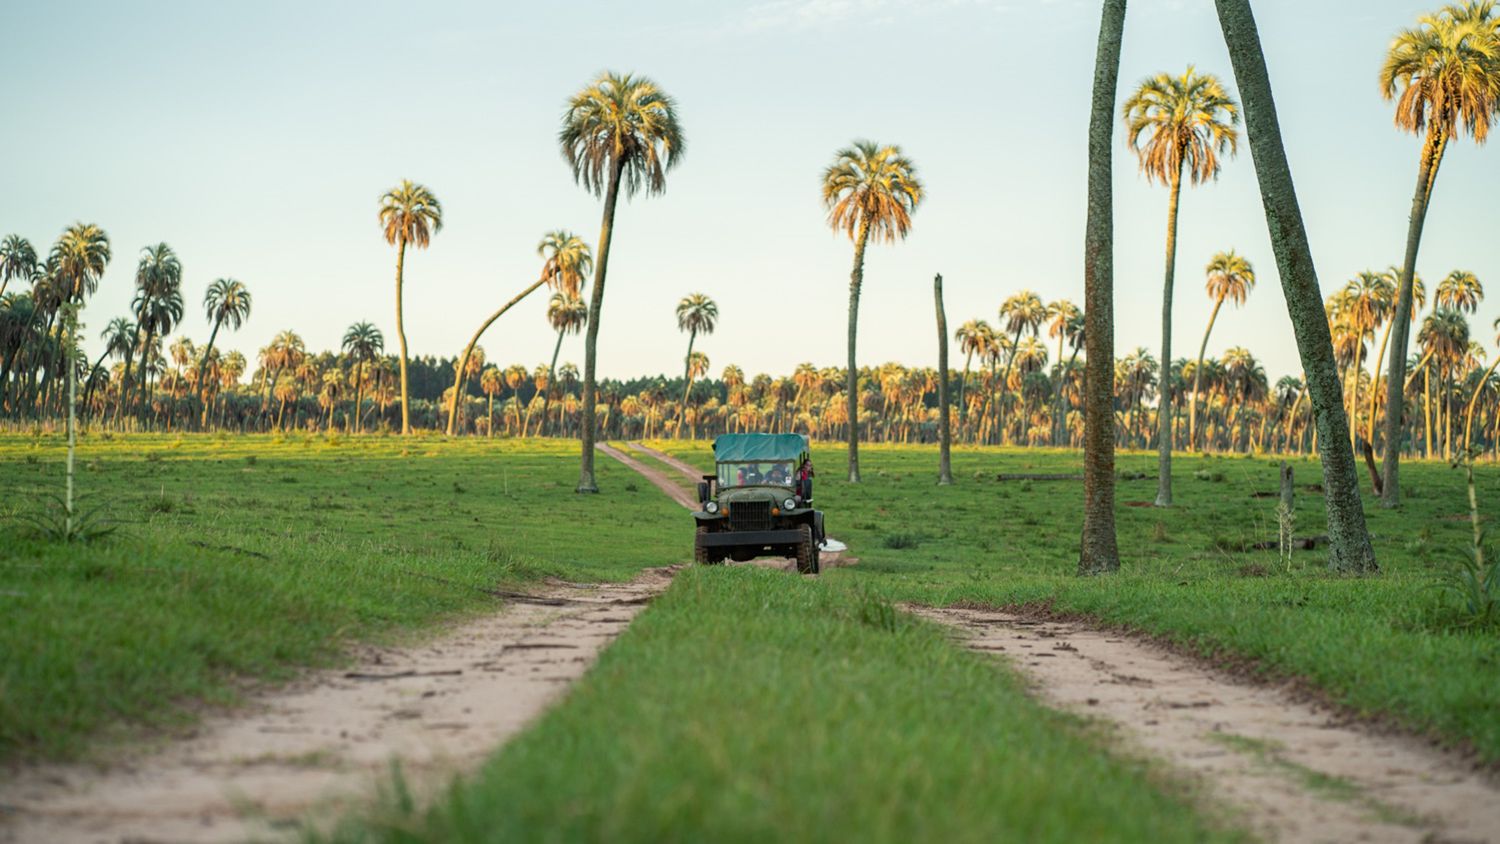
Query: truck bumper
[752, 538]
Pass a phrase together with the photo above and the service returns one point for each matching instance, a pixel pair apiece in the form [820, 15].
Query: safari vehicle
[759, 502]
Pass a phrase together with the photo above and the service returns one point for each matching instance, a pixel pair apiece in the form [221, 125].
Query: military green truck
[759, 502]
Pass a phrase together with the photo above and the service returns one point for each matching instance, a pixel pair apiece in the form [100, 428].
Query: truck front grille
[750, 515]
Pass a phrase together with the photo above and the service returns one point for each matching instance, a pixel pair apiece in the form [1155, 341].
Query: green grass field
[745, 703]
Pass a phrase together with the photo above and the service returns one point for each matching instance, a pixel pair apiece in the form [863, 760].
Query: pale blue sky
[256, 138]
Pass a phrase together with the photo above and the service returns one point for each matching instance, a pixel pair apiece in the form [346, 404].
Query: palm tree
[970, 337]
[619, 128]
[868, 189]
[77, 262]
[1386, 314]
[226, 300]
[1172, 122]
[945, 432]
[567, 262]
[1483, 379]
[491, 383]
[17, 260]
[1349, 539]
[1022, 312]
[158, 300]
[697, 366]
[1445, 77]
[363, 343]
[1461, 291]
[1099, 551]
[409, 214]
[696, 313]
[119, 340]
[1363, 307]
[1230, 277]
[567, 314]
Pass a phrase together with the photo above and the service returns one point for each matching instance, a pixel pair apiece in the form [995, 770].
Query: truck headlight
[789, 504]
[711, 507]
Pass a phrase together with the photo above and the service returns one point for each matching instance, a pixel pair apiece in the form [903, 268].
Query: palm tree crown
[78, 260]
[1177, 122]
[622, 122]
[1444, 71]
[871, 185]
[568, 261]
[1229, 278]
[698, 314]
[227, 301]
[1461, 291]
[410, 213]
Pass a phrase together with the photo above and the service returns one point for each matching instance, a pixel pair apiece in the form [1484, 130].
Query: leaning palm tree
[1349, 539]
[619, 130]
[1230, 277]
[1445, 77]
[409, 214]
[567, 314]
[1099, 551]
[227, 300]
[1174, 123]
[77, 262]
[17, 260]
[363, 343]
[868, 189]
[696, 314]
[157, 303]
[119, 341]
[567, 262]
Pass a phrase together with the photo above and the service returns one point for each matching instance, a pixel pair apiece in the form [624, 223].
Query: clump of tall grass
[1473, 583]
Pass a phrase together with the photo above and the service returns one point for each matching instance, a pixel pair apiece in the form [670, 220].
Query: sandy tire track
[1296, 771]
[323, 743]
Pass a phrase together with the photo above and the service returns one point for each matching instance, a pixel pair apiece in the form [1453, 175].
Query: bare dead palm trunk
[1432, 158]
[945, 432]
[400, 335]
[586, 482]
[1164, 403]
[1349, 540]
[856, 278]
[463, 360]
[1099, 550]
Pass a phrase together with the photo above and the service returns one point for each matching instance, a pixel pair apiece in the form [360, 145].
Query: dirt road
[304, 751]
[1292, 771]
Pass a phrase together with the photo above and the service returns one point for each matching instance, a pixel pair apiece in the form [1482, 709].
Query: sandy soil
[1294, 771]
[302, 752]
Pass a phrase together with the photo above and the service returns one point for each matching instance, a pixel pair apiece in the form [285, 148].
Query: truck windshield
[779, 473]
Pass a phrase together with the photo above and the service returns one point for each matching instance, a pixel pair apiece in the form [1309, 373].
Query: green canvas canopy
[743, 448]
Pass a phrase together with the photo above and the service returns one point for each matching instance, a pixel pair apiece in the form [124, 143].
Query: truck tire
[703, 555]
[807, 551]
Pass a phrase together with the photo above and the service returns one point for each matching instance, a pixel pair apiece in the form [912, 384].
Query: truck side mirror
[702, 492]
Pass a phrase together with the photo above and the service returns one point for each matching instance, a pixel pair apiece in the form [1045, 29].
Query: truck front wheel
[703, 555]
[807, 551]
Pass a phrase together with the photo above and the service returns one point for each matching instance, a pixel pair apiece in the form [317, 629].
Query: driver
[778, 475]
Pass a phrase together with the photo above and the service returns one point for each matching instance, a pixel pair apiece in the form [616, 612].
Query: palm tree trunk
[1164, 403]
[551, 379]
[71, 319]
[687, 375]
[586, 482]
[463, 360]
[945, 433]
[963, 383]
[1099, 550]
[1354, 389]
[1432, 158]
[1427, 409]
[1349, 539]
[359, 383]
[856, 278]
[1192, 442]
[143, 396]
[1469, 411]
[1376, 363]
[1015, 344]
[400, 335]
[202, 367]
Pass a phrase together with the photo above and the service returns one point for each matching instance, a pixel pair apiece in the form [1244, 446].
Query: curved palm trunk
[856, 278]
[1354, 391]
[1164, 403]
[463, 361]
[945, 432]
[586, 482]
[1192, 442]
[1432, 158]
[1376, 363]
[89, 391]
[687, 376]
[551, 381]
[401, 335]
[1099, 551]
[1015, 344]
[142, 397]
[203, 367]
[1349, 539]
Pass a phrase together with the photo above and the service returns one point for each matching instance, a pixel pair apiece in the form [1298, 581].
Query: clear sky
[256, 139]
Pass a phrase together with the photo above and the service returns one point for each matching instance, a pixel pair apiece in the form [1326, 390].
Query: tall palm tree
[363, 343]
[868, 189]
[17, 260]
[696, 314]
[1172, 123]
[157, 303]
[77, 261]
[1386, 313]
[119, 340]
[567, 261]
[1230, 277]
[1021, 312]
[1363, 306]
[567, 314]
[1098, 551]
[1349, 539]
[620, 129]
[697, 367]
[409, 215]
[970, 337]
[491, 383]
[226, 300]
[1444, 75]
